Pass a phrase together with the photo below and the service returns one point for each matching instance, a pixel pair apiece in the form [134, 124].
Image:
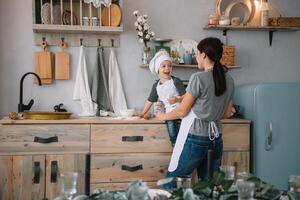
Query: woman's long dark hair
[213, 48]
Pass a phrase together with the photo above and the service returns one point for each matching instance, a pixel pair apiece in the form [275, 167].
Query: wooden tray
[46, 115]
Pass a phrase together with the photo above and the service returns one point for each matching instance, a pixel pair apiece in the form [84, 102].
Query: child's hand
[172, 100]
[160, 116]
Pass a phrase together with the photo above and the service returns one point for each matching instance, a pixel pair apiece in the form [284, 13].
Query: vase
[146, 55]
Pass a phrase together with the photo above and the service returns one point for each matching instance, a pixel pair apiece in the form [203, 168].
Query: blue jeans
[173, 129]
[194, 156]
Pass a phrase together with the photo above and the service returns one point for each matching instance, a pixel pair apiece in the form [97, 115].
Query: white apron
[165, 91]
[185, 126]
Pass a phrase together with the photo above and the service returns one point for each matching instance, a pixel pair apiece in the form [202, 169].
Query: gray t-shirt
[207, 106]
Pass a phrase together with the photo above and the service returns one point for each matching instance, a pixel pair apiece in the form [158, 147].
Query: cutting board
[62, 63]
[111, 16]
[43, 61]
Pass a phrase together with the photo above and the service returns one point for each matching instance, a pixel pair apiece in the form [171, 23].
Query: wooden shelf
[190, 66]
[48, 28]
[251, 28]
[270, 29]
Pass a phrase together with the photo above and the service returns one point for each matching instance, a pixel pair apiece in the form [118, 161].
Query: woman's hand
[160, 116]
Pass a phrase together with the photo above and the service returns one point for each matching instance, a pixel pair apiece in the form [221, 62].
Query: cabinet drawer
[44, 138]
[238, 159]
[142, 138]
[130, 167]
[117, 186]
[236, 137]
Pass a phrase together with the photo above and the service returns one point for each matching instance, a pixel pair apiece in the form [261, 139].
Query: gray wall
[169, 19]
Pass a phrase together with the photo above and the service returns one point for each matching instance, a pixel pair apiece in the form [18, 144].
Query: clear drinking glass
[229, 171]
[184, 182]
[69, 183]
[245, 189]
[294, 183]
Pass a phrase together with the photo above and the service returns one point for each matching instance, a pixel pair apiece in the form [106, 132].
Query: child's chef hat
[160, 56]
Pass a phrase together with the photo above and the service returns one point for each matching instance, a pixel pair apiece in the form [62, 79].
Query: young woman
[207, 100]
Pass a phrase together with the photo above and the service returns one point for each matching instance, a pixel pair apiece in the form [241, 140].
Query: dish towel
[116, 91]
[99, 88]
[81, 88]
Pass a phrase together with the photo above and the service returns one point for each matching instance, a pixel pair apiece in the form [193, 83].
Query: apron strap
[213, 131]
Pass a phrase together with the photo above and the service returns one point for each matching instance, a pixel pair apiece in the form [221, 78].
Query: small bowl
[127, 112]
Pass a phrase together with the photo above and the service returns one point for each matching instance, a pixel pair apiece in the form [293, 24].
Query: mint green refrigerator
[274, 109]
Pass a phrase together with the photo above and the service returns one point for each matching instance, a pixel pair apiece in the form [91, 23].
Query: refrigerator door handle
[269, 138]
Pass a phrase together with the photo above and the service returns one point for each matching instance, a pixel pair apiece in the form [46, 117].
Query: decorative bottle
[264, 14]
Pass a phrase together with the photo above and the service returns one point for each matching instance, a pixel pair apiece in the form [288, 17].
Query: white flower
[152, 34]
[136, 12]
[140, 19]
[145, 16]
[140, 33]
[141, 40]
[146, 26]
[136, 24]
[147, 36]
[139, 28]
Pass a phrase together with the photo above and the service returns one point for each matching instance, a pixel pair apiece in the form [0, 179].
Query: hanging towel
[99, 88]
[81, 88]
[116, 91]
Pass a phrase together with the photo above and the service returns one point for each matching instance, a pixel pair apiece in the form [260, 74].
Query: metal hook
[81, 40]
[112, 42]
[99, 42]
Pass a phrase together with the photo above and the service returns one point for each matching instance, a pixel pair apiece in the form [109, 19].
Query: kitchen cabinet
[33, 157]
[236, 142]
[121, 154]
[120, 151]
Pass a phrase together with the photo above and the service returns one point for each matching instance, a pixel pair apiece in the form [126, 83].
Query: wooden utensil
[62, 63]
[43, 64]
[112, 15]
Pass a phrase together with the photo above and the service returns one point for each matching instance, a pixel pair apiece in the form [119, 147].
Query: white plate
[187, 44]
[221, 6]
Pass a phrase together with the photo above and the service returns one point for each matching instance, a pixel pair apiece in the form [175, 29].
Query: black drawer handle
[54, 170]
[37, 172]
[132, 138]
[45, 140]
[132, 169]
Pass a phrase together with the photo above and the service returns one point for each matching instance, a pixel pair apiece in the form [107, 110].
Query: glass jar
[224, 20]
[146, 55]
[213, 19]
[85, 21]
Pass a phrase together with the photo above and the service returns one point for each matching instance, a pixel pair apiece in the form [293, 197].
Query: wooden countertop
[99, 120]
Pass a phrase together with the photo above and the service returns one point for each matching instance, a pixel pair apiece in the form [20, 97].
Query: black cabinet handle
[45, 140]
[37, 172]
[132, 138]
[54, 170]
[132, 169]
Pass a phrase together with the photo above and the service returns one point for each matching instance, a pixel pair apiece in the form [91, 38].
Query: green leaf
[201, 185]
[218, 177]
[226, 184]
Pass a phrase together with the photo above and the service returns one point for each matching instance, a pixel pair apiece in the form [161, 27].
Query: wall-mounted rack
[56, 25]
[269, 29]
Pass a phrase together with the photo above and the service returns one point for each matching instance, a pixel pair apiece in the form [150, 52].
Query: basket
[285, 21]
[228, 57]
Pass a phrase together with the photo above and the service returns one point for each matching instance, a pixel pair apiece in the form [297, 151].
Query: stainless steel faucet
[21, 106]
